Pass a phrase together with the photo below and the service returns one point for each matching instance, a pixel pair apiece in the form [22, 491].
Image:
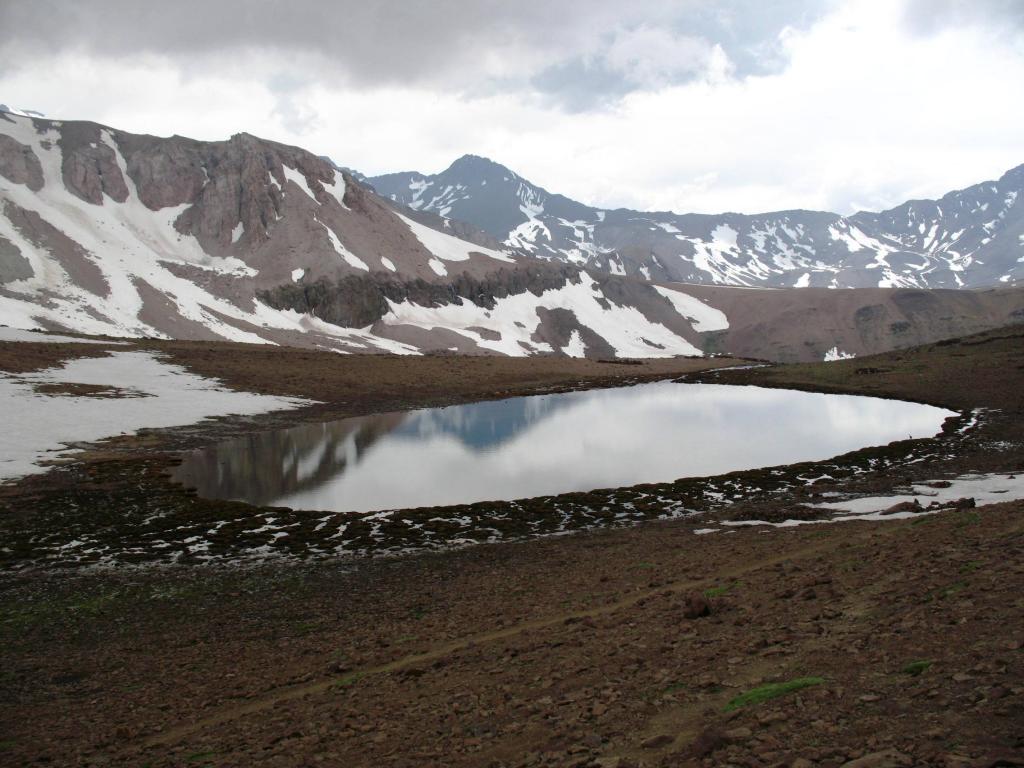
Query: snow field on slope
[701, 315]
[447, 247]
[162, 395]
[516, 319]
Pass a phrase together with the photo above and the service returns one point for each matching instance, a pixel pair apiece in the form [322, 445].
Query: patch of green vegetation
[6, 746]
[970, 567]
[195, 757]
[915, 668]
[772, 691]
[719, 591]
[18, 618]
[674, 688]
[94, 604]
[345, 681]
[942, 594]
[964, 518]
[645, 565]
[305, 627]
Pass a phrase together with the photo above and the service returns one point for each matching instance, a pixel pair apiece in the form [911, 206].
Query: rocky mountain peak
[478, 165]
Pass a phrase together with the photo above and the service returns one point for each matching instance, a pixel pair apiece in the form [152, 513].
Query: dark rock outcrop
[357, 301]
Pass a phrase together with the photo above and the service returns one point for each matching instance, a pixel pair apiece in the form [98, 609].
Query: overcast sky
[740, 105]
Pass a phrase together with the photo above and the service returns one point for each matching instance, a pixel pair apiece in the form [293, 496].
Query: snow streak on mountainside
[969, 238]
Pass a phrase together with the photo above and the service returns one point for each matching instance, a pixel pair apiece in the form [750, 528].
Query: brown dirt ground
[383, 380]
[578, 650]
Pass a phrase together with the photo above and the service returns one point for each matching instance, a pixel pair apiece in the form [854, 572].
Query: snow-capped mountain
[969, 238]
[107, 232]
[20, 112]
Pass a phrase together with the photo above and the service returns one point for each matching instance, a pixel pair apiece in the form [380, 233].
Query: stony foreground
[591, 650]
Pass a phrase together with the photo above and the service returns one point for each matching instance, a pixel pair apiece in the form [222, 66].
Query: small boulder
[709, 740]
[888, 758]
[903, 506]
[695, 605]
[736, 735]
[656, 742]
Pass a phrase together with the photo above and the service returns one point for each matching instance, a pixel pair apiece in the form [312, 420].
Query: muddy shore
[615, 646]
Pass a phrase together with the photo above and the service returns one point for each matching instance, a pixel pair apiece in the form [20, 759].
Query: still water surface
[546, 444]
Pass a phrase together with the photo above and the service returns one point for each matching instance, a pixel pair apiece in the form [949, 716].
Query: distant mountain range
[108, 232]
[969, 238]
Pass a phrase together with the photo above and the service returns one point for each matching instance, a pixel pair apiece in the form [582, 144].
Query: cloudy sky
[691, 105]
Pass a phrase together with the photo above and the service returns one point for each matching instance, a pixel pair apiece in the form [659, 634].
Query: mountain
[21, 112]
[969, 238]
[108, 232]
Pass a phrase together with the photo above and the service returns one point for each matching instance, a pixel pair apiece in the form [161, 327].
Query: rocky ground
[862, 643]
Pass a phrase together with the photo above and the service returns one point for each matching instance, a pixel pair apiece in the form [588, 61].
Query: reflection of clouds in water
[609, 438]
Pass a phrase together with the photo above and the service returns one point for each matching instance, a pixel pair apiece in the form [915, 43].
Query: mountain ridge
[786, 248]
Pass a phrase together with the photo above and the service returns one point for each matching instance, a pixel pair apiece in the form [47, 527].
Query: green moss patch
[915, 668]
[719, 591]
[772, 691]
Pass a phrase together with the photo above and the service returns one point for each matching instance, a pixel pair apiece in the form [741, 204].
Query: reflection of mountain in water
[262, 468]
[485, 426]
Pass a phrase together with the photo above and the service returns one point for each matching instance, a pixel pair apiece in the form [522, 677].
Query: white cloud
[656, 57]
[865, 112]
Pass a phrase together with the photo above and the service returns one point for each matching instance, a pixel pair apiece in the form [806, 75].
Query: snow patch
[575, 347]
[984, 489]
[299, 179]
[297, 275]
[837, 354]
[18, 334]
[703, 317]
[350, 258]
[336, 189]
[163, 395]
[447, 247]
